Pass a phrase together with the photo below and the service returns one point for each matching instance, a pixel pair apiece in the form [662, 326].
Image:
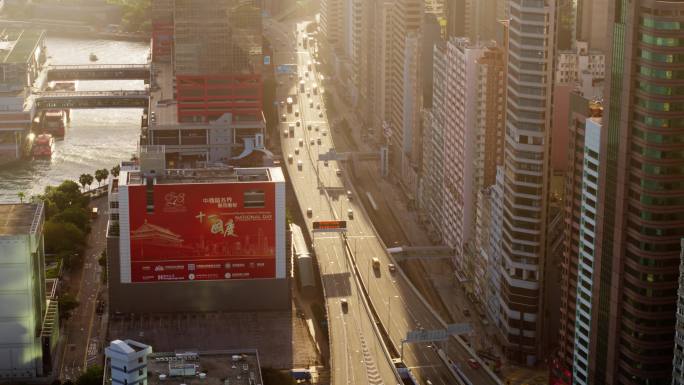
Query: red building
[204, 98]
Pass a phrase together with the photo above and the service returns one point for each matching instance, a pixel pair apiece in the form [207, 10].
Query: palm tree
[89, 180]
[101, 175]
[83, 180]
[21, 196]
[115, 170]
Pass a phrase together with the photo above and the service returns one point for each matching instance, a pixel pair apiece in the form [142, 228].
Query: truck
[407, 377]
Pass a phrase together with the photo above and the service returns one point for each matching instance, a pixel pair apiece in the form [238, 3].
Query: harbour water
[94, 139]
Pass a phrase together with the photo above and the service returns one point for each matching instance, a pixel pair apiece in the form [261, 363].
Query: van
[350, 213]
[299, 165]
[338, 172]
[376, 263]
[345, 304]
[309, 212]
[93, 212]
[290, 159]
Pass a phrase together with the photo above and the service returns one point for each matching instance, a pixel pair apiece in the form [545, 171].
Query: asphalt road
[356, 355]
[398, 307]
[79, 345]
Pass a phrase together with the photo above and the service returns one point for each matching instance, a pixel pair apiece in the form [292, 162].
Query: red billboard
[202, 231]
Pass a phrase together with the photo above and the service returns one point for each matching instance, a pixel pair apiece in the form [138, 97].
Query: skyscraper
[526, 163]
[641, 204]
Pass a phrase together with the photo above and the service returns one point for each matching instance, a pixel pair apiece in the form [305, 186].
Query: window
[254, 199]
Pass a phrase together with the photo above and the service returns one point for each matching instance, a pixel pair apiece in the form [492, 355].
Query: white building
[584, 68]
[587, 236]
[22, 290]
[460, 145]
[128, 362]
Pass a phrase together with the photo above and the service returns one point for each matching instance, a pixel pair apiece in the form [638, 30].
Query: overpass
[99, 72]
[91, 99]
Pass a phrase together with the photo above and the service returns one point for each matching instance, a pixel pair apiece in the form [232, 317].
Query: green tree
[115, 170]
[76, 215]
[135, 15]
[85, 180]
[21, 196]
[63, 237]
[65, 195]
[101, 175]
[67, 302]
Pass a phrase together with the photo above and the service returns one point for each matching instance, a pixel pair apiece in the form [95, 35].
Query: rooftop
[17, 45]
[220, 367]
[19, 218]
[211, 175]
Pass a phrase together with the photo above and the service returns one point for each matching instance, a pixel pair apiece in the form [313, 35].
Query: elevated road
[357, 355]
[99, 72]
[399, 306]
[91, 99]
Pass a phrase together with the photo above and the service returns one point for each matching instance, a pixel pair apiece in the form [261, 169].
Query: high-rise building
[640, 206]
[460, 145]
[586, 249]
[678, 360]
[22, 293]
[432, 175]
[580, 110]
[215, 61]
[528, 137]
[381, 53]
[407, 16]
[331, 22]
[591, 23]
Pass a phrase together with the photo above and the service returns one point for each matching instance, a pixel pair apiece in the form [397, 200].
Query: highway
[399, 308]
[356, 352]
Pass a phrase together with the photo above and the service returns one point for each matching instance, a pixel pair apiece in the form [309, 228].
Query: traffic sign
[426, 335]
[462, 328]
[329, 226]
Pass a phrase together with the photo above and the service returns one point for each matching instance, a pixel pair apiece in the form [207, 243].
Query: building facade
[528, 115]
[641, 212]
[580, 110]
[22, 293]
[678, 360]
[460, 144]
[587, 247]
[198, 236]
[128, 362]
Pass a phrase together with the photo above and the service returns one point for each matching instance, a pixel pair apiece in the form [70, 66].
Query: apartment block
[640, 207]
[460, 144]
[526, 162]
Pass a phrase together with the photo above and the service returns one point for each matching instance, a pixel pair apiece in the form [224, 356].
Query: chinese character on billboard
[202, 232]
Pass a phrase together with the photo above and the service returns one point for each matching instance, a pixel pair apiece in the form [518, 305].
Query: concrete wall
[195, 296]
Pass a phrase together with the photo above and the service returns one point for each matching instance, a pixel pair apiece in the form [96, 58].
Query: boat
[93, 57]
[43, 146]
[54, 122]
